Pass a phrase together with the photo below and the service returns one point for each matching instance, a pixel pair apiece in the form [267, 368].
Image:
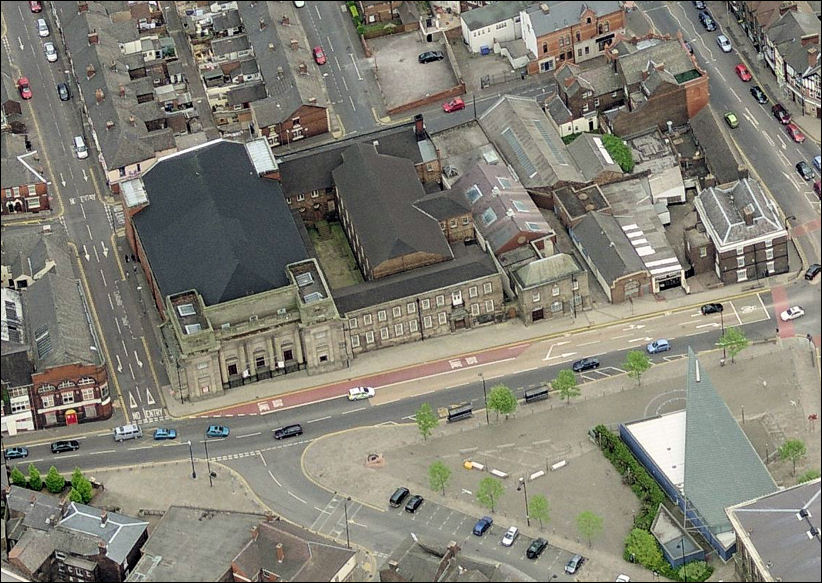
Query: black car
[711, 309]
[781, 114]
[536, 547]
[15, 453]
[398, 496]
[65, 445]
[288, 431]
[709, 24]
[584, 364]
[758, 94]
[699, 5]
[414, 502]
[813, 271]
[804, 170]
[704, 15]
[63, 92]
[430, 56]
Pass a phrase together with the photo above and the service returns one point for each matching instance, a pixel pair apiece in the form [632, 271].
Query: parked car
[42, 27]
[455, 104]
[758, 94]
[398, 496]
[358, 393]
[63, 92]
[217, 431]
[288, 431]
[804, 170]
[35, 6]
[699, 4]
[165, 433]
[780, 113]
[622, 578]
[24, 88]
[65, 445]
[482, 525]
[704, 15]
[792, 313]
[510, 536]
[430, 56]
[817, 188]
[51, 52]
[795, 133]
[813, 271]
[731, 120]
[661, 345]
[724, 43]
[711, 309]
[15, 453]
[414, 502]
[584, 364]
[536, 547]
[817, 163]
[742, 72]
[319, 55]
[573, 564]
[709, 24]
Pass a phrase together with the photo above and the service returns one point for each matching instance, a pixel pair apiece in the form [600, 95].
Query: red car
[743, 73]
[35, 6]
[795, 133]
[454, 105]
[319, 55]
[25, 90]
[817, 188]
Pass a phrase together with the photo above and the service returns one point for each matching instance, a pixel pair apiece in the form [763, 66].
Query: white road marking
[319, 419]
[587, 343]
[275, 479]
[248, 435]
[763, 305]
[353, 410]
[297, 497]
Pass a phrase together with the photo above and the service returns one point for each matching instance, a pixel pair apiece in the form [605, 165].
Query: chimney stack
[813, 56]
[101, 546]
[122, 90]
[748, 214]
[93, 37]
[419, 127]
[280, 552]
[90, 71]
[32, 499]
[393, 565]
[103, 519]
[99, 95]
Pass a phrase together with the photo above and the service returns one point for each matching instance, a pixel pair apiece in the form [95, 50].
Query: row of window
[555, 291]
[66, 398]
[66, 384]
[301, 197]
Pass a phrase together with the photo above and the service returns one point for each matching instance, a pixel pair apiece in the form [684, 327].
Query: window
[535, 297]
[300, 197]
[384, 333]
[48, 400]
[487, 287]
[398, 329]
[578, 37]
[426, 322]
[574, 284]
[315, 194]
[442, 318]
[556, 306]
[740, 250]
[596, 102]
[587, 50]
[561, 41]
[397, 311]
[489, 216]
[355, 341]
[536, 227]
[769, 253]
[456, 297]
[465, 220]
[741, 275]
[770, 266]
[452, 223]
[19, 407]
[607, 26]
[369, 337]
[259, 359]
[412, 326]
[426, 303]
[703, 251]
[740, 261]
[585, 107]
[68, 397]
[489, 306]
[555, 291]
[232, 369]
[472, 291]
[88, 394]
[65, 385]
[410, 307]
[544, 48]
[475, 309]
[381, 316]
[367, 319]
[520, 206]
[440, 300]
[588, 20]
[352, 323]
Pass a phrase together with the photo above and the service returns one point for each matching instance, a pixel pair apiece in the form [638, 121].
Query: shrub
[35, 481]
[55, 482]
[694, 571]
[18, 478]
[619, 151]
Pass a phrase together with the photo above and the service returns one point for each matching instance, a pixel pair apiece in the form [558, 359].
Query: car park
[358, 393]
[804, 170]
[780, 113]
[63, 92]
[217, 431]
[430, 56]
[713, 308]
[15, 453]
[792, 313]
[455, 104]
[724, 43]
[817, 188]
[758, 94]
[398, 496]
[709, 24]
[584, 364]
[51, 52]
[42, 27]
[536, 547]
[742, 72]
[482, 525]
[24, 88]
[813, 271]
[795, 133]
[731, 120]
[164, 433]
[510, 536]
[414, 502]
[65, 445]
[288, 431]
[319, 55]
[573, 564]
[657, 346]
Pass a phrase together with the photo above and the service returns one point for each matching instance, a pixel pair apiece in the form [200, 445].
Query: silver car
[510, 536]
[51, 52]
[724, 43]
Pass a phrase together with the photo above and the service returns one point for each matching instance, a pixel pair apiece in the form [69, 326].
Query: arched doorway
[71, 417]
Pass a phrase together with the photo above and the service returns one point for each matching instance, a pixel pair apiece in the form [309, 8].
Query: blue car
[217, 431]
[660, 345]
[165, 433]
[482, 525]
[14, 453]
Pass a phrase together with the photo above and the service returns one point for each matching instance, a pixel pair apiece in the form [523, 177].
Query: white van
[124, 432]
[42, 27]
[80, 147]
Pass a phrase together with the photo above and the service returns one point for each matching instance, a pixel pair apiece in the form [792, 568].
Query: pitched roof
[669, 53]
[600, 80]
[720, 154]
[607, 246]
[564, 13]
[491, 14]
[546, 270]
[41, 510]
[83, 525]
[15, 171]
[442, 205]
[558, 111]
[377, 192]
[792, 27]
[214, 225]
[591, 157]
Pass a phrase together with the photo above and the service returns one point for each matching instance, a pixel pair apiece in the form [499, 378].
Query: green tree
[438, 476]
[636, 363]
[641, 547]
[55, 482]
[489, 492]
[502, 400]
[17, 477]
[619, 151]
[35, 480]
[793, 450]
[426, 420]
[807, 476]
[566, 384]
[589, 525]
[81, 484]
[538, 508]
[75, 496]
[694, 571]
[734, 341]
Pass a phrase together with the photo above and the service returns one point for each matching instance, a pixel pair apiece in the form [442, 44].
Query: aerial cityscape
[411, 291]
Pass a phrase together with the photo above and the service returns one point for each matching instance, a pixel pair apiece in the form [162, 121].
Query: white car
[622, 578]
[510, 536]
[51, 52]
[358, 393]
[723, 43]
[792, 313]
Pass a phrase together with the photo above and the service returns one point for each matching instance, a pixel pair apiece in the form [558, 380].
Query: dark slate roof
[121, 533]
[589, 153]
[792, 27]
[230, 44]
[245, 93]
[600, 80]
[377, 192]
[669, 53]
[720, 154]
[558, 111]
[491, 14]
[720, 209]
[227, 19]
[468, 263]
[607, 246]
[212, 224]
[39, 515]
[721, 466]
[564, 13]
[14, 172]
[17, 368]
[442, 205]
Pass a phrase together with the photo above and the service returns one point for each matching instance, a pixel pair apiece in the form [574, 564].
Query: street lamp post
[722, 324]
[191, 455]
[485, 395]
[345, 509]
[208, 465]
[524, 489]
